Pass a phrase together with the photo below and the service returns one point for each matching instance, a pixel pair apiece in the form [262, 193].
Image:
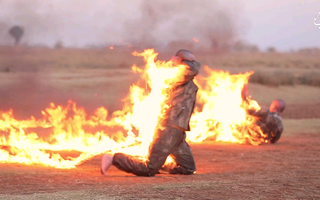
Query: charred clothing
[269, 122]
[183, 99]
[171, 140]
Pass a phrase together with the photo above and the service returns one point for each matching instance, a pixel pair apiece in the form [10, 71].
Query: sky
[283, 24]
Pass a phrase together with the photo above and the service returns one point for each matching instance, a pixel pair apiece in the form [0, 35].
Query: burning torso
[182, 96]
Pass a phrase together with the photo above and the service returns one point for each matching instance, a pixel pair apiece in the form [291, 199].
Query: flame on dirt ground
[220, 115]
[111, 47]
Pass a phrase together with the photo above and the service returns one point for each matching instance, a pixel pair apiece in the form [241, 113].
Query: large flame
[220, 114]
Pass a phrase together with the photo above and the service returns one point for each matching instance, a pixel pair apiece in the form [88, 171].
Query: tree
[271, 49]
[58, 45]
[16, 32]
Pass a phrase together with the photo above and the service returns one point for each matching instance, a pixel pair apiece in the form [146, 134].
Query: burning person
[169, 141]
[269, 119]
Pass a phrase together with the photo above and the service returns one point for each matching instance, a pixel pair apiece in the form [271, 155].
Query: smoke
[215, 25]
[37, 20]
[145, 23]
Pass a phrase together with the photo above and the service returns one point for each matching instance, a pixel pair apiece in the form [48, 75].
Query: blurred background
[55, 50]
[285, 25]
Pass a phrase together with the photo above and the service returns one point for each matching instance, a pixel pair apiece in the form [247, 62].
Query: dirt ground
[288, 169]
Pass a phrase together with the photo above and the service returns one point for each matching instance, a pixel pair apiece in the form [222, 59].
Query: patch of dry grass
[270, 60]
[272, 69]
[300, 126]
[273, 79]
[34, 59]
[286, 77]
[310, 78]
[297, 94]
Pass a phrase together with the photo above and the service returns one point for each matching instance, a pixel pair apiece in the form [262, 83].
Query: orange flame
[195, 39]
[220, 115]
[111, 47]
[223, 115]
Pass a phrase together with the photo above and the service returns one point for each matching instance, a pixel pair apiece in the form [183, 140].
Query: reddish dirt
[300, 111]
[288, 169]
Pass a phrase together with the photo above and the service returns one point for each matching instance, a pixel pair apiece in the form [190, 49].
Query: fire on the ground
[220, 115]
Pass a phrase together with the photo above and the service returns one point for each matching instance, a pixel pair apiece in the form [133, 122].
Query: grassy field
[272, 69]
[31, 78]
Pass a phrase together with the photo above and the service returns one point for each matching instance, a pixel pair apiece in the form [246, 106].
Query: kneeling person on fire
[170, 141]
[269, 119]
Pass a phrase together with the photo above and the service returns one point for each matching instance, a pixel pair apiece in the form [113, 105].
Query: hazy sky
[284, 24]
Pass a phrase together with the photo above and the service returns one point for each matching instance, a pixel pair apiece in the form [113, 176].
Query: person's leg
[164, 144]
[131, 164]
[106, 162]
[275, 127]
[184, 161]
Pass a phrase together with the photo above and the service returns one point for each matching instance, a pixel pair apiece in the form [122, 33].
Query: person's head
[182, 55]
[277, 105]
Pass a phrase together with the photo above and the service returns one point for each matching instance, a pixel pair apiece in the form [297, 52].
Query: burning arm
[277, 107]
[191, 70]
[263, 112]
[189, 67]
